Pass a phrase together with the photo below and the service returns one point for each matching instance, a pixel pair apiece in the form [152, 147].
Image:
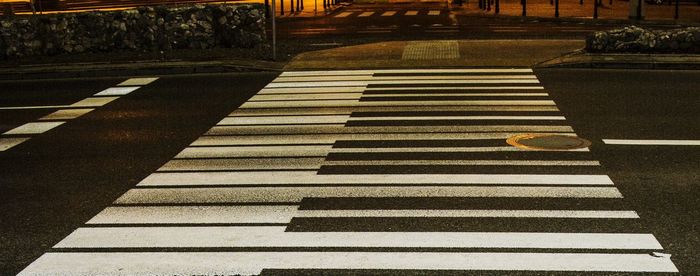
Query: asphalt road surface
[350, 172]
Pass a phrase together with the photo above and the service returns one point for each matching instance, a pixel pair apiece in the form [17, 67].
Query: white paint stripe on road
[402, 71]
[411, 13]
[33, 128]
[232, 140]
[463, 162]
[370, 77]
[344, 14]
[286, 97]
[350, 110]
[67, 114]
[357, 103]
[652, 142]
[275, 236]
[443, 149]
[339, 129]
[315, 90]
[117, 91]
[137, 82]
[366, 14]
[457, 88]
[284, 120]
[389, 13]
[9, 142]
[298, 163]
[255, 151]
[434, 13]
[34, 107]
[365, 83]
[310, 178]
[285, 213]
[296, 194]
[402, 118]
[252, 263]
[457, 95]
[94, 101]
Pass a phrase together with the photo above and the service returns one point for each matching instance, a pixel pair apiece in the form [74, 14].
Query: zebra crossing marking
[389, 13]
[137, 82]
[432, 12]
[411, 13]
[652, 142]
[344, 14]
[9, 142]
[366, 14]
[66, 114]
[33, 128]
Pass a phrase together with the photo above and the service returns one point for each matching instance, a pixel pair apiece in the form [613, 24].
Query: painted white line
[434, 13]
[233, 140]
[255, 151]
[402, 71]
[252, 263]
[117, 91]
[411, 13]
[350, 110]
[67, 114]
[459, 88]
[243, 112]
[441, 149]
[137, 82]
[284, 120]
[315, 90]
[365, 83]
[340, 129]
[296, 194]
[7, 143]
[464, 162]
[652, 142]
[286, 97]
[94, 101]
[357, 103]
[370, 77]
[402, 118]
[34, 107]
[344, 14]
[285, 213]
[311, 178]
[389, 13]
[366, 14]
[244, 164]
[275, 236]
[33, 128]
[398, 94]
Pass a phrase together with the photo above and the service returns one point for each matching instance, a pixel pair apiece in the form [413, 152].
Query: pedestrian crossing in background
[388, 170]
[361, 14]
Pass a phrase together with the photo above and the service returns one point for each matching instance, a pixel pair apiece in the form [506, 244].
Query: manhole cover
[547, 142]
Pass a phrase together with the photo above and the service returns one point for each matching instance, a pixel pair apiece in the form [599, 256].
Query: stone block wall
[640, 40]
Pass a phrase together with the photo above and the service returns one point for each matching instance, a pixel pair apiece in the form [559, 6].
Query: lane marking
[67, 114]
[321, 119]
[33, 128]
[393, 82]
[357, 103]
[434, 13]
[402, 71]
[411, 13]
[652, 142]
[443, 149]
[410, 118]
[252, 263]
[366, 14]
[412, 94]
[370, 77]
[311, 178]
[350, 110]
[344, 14]
[9, 142]
[94, 102]
[389, 13]
[297, 163]
[287, 97]
[463, 162]
[255, 151]
[341, 129]
[137, 82]
[117, 91]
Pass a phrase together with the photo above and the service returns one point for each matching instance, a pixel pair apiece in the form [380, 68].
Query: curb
[581, 59]
[81, 70]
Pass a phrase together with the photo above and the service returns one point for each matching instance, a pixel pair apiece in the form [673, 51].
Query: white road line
[463, 162]
[402, 118]
[340, 129]
[344, 14]
[370, 77]
[275, 236]
[315, 90]
[458, 88]
[252, 263]
[284, 120]
[365, 83]
[34, 107]
[33, 128]
[311, 178]
[286, 97]
[67, 114]
[255, 151]
[357, 103]
[434, 13]
[350, 110]
[411, 13]
[389, 13]
[94, 101]
[440, 149]
[9, 142]
[301, 163]
[296, 194]
[233, 140]
[652, 142]
[285, 213]
[117, 91]
[366, 14]
[137, 82]
[456, 95]
[402, 71]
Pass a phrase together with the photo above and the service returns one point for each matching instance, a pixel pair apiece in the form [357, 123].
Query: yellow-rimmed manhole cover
[547, 142]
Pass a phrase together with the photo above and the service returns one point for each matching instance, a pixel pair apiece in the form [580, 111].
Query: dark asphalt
[58, 180]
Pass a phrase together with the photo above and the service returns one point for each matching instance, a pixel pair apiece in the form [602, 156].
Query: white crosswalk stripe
[392, 169]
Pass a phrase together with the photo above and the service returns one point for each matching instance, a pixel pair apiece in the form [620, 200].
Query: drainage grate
[441, 49]
[547, 142]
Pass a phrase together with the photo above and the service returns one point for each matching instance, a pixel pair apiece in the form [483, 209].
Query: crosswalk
[388, 170]
[391, 13]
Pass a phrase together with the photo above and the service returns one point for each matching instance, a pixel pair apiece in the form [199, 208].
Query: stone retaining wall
[639, 40]
[143, 29]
